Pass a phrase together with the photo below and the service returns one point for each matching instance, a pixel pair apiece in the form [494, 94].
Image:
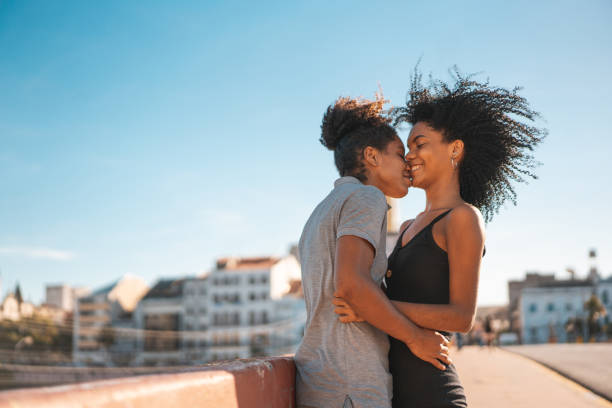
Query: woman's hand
[345, 313]
[430, 346]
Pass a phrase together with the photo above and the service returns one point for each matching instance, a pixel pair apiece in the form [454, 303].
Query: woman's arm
[354, 257]
[465, 243]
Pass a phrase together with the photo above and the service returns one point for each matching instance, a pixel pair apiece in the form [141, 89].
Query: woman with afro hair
[468, 143]
[342, 250]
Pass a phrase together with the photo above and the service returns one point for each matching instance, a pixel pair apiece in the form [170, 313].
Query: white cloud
[39, 253]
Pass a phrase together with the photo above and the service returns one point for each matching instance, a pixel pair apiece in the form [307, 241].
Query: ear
[371, 156]
[457, 147]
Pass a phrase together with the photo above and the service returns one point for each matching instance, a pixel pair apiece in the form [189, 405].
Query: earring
[453, 162]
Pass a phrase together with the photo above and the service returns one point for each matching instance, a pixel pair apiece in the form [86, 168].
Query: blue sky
[152, 137]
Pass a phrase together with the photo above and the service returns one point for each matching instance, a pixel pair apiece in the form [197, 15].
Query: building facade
[549, 310]
[244, 307]
[158, 319]
[103, 326]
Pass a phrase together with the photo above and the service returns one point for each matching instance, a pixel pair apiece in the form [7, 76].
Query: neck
[443, 194]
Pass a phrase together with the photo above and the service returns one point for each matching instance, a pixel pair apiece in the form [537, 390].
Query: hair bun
[347, 115]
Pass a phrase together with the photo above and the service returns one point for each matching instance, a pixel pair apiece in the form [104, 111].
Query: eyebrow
[415, 139]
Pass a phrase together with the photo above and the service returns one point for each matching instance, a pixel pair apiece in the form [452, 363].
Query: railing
[265, 382]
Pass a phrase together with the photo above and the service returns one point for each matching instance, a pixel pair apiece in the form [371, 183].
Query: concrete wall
[266, 382]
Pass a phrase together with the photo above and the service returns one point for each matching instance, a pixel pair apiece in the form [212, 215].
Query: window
[569, 306]
[252, 296]
[202, 310]
[252, 280]
[604, 297]
[550, 307]
[533, 308]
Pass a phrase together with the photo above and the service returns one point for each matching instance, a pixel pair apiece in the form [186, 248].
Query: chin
[399, 193]
[417, 183]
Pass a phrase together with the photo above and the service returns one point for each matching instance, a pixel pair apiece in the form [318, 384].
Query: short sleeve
[363, 214]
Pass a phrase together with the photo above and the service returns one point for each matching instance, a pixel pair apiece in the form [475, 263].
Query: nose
[410, 155]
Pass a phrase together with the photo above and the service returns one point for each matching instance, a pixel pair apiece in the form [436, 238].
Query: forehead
[396, 144]
[422, 129]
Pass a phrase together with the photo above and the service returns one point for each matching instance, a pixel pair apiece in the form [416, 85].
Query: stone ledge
[264, 382]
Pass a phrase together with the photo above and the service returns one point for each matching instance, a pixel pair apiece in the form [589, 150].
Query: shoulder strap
[401, 235]
[439, 217]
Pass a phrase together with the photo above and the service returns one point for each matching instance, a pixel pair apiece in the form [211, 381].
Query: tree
[18, 294]
[595, 310]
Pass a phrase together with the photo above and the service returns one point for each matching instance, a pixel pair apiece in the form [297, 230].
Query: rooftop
[239, 264]
[166, 288]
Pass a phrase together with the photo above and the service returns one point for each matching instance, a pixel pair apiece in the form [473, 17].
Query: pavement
[587, 364]
[494, 377]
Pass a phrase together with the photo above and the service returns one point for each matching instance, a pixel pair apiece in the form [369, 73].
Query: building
[63, 296]
[243, 308]
[14, 308]
[393, 223]
[159, 320]
[255, 307]
[9, 309]
[103, 328]
[196, 303]
[548, 310]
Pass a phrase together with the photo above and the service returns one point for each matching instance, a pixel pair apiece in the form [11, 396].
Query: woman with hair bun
[468, 143]
[342, 250]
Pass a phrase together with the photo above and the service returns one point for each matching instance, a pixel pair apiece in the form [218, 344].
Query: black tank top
[419, 273]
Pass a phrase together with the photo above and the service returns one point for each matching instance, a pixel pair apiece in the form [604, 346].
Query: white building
[244, 308]
[63, 296]
[103, 331]
[12, 309]
[195, 336]
[547, 308]
[254, 308]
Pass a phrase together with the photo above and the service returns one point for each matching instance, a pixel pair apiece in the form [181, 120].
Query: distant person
[489, 332]
[342, 248]
[466, 147]
[459, 340]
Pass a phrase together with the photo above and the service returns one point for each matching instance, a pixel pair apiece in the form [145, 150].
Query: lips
[416, 167]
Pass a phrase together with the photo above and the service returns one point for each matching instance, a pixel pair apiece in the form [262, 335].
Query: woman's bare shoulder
[405, 225]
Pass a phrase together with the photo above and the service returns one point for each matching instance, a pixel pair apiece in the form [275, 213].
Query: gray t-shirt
[335, 359]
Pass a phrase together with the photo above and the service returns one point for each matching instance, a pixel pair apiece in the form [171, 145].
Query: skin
[386, 170]
[461, 233]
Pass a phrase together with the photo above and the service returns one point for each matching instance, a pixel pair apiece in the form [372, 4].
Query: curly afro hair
[491, 123]
[351, 125]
